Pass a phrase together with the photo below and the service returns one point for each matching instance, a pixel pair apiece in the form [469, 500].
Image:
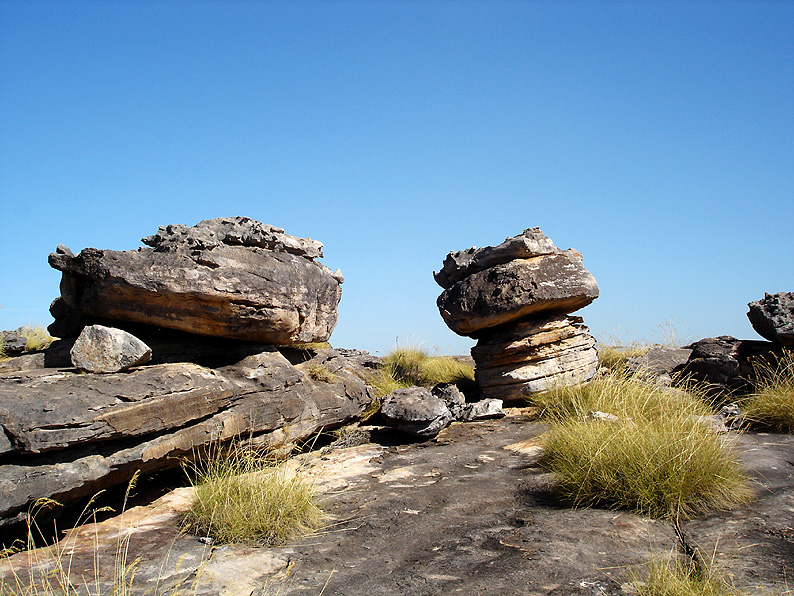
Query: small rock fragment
[101, 349]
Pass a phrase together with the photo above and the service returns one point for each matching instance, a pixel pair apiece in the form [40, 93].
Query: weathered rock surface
[467, 513]
[416, 411]
[515, 290]
[534, 355]
[101, 349]
[773, 317]
[13, 342]
[226, 277]
[725, 363]
[67, 435]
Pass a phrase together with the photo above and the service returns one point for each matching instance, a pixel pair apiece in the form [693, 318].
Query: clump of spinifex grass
[243, 497]
[674, 578]
[411, 366]
[771, 405]
[659, 460]
[615, 356]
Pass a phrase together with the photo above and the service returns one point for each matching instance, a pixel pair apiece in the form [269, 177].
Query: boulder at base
[224, 277]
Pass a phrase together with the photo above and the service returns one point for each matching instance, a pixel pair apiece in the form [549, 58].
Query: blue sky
[655, 137]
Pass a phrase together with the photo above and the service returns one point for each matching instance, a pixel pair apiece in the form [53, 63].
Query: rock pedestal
[514, 298]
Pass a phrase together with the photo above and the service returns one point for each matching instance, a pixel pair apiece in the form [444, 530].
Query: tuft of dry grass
[657, 459]
[320, 373]
[674, 578]
[413, 366]
[771, 405]
[244, 497]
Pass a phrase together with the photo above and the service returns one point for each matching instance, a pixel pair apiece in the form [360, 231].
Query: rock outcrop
[726, 365]
[773, 317]
[514, 298]
[66, 435]
[225, 277]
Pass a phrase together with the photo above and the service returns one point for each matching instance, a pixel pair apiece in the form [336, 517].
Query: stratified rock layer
[514, 299]
[533, 356]
[66, 435]
[225, 277]
[773, 317]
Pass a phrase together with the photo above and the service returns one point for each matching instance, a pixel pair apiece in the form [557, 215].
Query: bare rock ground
[468, 512]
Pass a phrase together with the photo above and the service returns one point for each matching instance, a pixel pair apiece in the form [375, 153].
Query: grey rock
[773, 317]
[458, 265]
[484, 409]
[101, 349]
[234, 231]
[216, 280]
[726, 364]
[519, 289]
[14, 342]
[660, 361]
[416, 411]
[453, 397]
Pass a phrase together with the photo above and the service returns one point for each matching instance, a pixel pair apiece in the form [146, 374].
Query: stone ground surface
[466, 513]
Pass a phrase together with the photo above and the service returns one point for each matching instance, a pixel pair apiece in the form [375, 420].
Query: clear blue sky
[655, 137]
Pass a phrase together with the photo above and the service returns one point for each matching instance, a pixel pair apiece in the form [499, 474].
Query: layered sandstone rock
[224, 277]
[534, 355]
[514, 299]
[66, 435]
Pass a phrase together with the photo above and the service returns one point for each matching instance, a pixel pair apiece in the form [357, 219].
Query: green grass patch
[771, 405]
[658, 460]
[411, 366]
[244, 497]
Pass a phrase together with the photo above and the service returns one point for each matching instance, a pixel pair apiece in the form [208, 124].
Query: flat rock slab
[466, 513]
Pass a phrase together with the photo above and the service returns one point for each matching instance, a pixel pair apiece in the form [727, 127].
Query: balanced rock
[514, 299]
[225, 277]
[773, 317]
[101, 349]
[497, 287]
[534, 355]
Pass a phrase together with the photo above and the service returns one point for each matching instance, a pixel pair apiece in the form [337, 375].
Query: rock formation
[773, 317]
[514, 298]
[66, 435]
[225, 277]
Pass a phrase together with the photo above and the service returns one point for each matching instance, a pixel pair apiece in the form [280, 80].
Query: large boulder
[773, 317]
[510, 282]
[225, 277]
[726, 365]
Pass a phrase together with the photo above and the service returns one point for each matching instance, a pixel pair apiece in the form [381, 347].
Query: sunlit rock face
[514, 298]
[226, 277]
